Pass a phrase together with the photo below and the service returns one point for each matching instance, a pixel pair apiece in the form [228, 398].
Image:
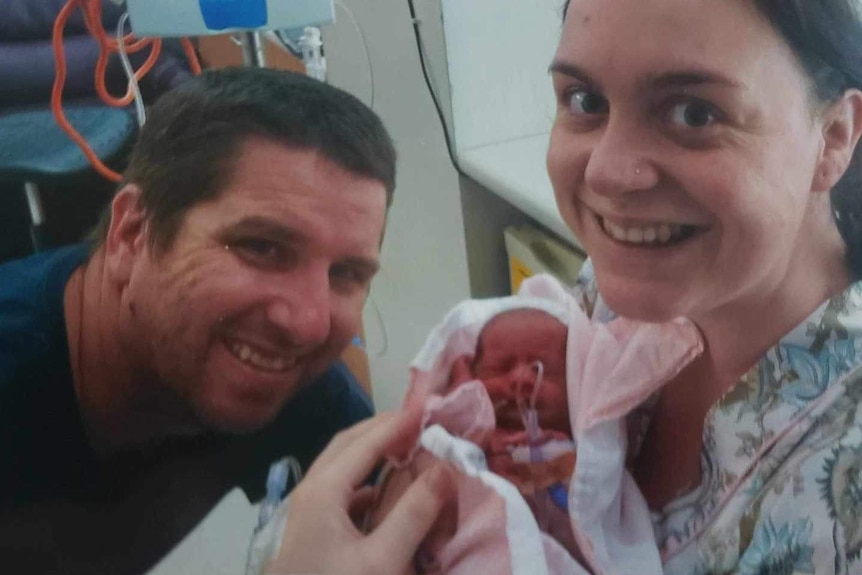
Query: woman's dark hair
[826, 36]
[185, 152]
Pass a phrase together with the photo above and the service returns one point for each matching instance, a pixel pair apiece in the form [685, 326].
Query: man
[193, 343]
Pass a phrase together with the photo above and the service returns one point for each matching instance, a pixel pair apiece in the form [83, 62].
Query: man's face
[509, 351]
[261, 289]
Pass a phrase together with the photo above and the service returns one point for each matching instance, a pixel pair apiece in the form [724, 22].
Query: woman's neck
[736, 337]
[738, 334]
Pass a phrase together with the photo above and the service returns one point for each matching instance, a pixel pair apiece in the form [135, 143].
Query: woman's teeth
[657, 234]
[259, 360]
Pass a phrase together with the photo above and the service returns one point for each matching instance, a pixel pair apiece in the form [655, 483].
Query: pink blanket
[611, 369]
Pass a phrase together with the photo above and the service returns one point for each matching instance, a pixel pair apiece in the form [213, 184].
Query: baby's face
[508, 350]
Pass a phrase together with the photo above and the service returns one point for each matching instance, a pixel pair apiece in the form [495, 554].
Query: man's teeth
[654, 234]
[254, 358]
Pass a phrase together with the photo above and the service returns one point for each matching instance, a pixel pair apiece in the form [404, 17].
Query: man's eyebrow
[368, 265]
[261, 225]
[276, 230]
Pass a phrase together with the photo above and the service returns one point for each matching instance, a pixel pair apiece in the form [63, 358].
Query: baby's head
[509, 351]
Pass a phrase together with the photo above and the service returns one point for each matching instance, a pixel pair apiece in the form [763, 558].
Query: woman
[695, 150]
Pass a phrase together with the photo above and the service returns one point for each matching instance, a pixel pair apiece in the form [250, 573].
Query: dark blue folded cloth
[27, 56]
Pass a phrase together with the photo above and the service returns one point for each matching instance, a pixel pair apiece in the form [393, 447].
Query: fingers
[411, 423]
[403, 530]
[353, 454]
[345, 438]
[362, 501]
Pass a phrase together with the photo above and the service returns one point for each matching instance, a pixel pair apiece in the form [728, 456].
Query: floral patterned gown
[781, 481]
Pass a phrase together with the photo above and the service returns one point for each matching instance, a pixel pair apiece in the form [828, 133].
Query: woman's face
[683, 153]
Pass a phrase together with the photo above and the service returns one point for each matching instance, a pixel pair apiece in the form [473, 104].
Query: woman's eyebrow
[670, 79]
[569, 69]
[684, 78]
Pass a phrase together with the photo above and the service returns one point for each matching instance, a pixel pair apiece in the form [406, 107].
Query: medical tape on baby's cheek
[529, 415]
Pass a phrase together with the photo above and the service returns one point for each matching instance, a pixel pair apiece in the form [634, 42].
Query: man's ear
[842, 127]
[127, 234]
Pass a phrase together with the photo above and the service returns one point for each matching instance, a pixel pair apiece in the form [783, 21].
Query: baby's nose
[524, 379]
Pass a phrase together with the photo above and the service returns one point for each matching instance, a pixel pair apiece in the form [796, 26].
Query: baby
[520, 362]
[508, 387]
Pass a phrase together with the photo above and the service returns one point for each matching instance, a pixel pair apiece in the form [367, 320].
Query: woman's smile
[648, 234]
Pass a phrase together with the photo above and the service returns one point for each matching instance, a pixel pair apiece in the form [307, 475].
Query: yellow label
[518, 272]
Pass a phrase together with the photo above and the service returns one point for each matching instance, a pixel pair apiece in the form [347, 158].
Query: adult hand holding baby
[322, 538]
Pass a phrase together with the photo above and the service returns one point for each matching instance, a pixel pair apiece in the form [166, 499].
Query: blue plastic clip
[225, 14]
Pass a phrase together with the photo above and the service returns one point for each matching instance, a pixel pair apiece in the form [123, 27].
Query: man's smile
[261, 359]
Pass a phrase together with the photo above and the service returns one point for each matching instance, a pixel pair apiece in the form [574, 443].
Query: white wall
[497, 61]
[424, 255]
[499, 52]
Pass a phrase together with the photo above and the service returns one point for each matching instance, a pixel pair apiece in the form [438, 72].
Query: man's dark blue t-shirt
[44, 452]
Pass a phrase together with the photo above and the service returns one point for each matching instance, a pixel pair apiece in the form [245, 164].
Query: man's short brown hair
[184, 154]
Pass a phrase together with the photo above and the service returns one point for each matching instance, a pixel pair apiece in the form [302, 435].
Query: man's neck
[121, 402]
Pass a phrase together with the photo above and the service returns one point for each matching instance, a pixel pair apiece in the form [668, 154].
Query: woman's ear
[842, 126]
[127, 234]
